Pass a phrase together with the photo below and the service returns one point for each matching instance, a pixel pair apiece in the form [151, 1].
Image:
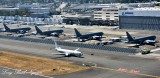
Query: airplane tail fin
[43, 19]
[5, 26]
[130, 38]
[38, 30]
[77, 32]
[56, 45]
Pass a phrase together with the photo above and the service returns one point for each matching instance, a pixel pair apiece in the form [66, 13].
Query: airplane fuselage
[142, 39]
[50, 32]
[87, 36]
[19, 30]
[70, 52]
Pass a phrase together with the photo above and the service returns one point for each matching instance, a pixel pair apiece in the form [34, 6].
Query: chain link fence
[64, 43]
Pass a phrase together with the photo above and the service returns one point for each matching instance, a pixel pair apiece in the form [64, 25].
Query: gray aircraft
[89, 36]
[141, 40]
[49, 32]
[17, 30]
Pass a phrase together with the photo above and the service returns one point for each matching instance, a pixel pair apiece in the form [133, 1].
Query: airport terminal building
[140, 18]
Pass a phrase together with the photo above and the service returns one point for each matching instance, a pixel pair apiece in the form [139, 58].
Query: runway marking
[128, 71]
[34, 74]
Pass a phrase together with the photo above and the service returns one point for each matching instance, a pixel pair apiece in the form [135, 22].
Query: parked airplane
[17, 30]
[141, 40]
[67, 52]
[96, 35]
[49, 32]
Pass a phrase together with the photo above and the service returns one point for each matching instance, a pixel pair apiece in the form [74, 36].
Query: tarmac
[104, 64]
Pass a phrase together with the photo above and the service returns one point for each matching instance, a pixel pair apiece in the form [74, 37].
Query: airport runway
[104, 64]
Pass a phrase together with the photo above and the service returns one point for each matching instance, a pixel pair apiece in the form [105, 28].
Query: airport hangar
[140, 18]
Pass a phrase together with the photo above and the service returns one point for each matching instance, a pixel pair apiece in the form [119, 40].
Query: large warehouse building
[140, 18]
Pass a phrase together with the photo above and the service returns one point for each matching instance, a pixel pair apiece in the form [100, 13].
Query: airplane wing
[150, 41]
[77, 49]
[54, 34]
[34, 32]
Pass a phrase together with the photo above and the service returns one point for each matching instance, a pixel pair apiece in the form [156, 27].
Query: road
[104, 64]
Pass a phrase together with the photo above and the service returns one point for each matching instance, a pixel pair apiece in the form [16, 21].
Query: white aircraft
[67, 52]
